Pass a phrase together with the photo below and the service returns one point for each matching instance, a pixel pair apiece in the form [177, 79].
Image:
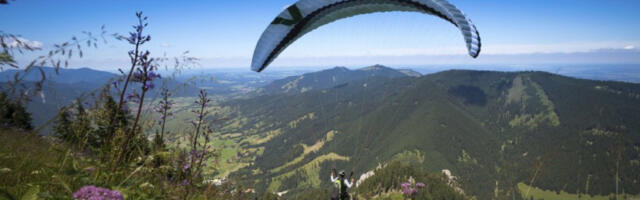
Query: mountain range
[331, 78]
[67, 85]
[497, 133]
[494, 131]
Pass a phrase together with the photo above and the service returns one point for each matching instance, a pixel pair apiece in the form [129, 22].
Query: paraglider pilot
[340, 186]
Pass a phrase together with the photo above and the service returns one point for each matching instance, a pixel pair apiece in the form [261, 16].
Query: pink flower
[93, 192]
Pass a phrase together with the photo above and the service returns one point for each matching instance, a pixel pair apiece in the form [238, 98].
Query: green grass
[528, 192]
[226, 145]
[257, 139]
[310, 170]
[30, 164]
[228, 160]
[518, 93]
[294, 123]
[307, 150]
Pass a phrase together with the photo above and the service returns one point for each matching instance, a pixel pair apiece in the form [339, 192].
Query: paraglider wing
[306, 15]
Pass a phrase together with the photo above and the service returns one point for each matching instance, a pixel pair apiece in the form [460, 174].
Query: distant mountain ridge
[62, 88]
[330, 78]
[64, 75]
[410, 72]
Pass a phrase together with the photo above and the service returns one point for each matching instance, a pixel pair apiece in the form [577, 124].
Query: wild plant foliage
[164, 109]
[102, 146]
[409, 180]
[14, 45]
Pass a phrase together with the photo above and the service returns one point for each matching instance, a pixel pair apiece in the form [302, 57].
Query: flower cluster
[203, 99]
[184, 167]
[202, 102]
[145, 73]
[132, 97]
[136, 37]
[200, 151]
[92, 192]
[146, 78]
[164, 106]
[408, 189]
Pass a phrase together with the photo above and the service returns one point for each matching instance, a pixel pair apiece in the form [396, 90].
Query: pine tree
[82, 126]
[13, 114]
[103, 118]
[21, 118]
[62, 128]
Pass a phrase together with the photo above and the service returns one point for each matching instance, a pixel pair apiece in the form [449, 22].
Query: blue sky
[224, 33]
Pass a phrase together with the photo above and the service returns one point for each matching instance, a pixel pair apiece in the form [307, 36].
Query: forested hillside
[492, 130]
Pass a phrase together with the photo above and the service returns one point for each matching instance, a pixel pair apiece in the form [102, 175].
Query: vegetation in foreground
[490, 128]
[106, 147]
[101, 147]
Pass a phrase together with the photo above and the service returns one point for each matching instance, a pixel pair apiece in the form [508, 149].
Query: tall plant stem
[131, 133]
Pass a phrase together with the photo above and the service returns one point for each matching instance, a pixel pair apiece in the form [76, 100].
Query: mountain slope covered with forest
[493, 130]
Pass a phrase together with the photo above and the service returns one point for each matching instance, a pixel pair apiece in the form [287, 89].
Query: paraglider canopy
[306, 15]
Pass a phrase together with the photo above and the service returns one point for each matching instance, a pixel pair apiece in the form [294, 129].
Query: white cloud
[629, 47]
[22, 41]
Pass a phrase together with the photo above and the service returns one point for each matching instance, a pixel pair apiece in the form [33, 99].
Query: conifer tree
[62, 127]
[13, 114]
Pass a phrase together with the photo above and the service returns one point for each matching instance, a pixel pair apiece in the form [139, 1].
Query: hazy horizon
[521, 33]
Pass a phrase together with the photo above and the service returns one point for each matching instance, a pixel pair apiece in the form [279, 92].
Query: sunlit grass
[307, 150]
[529, 192]
[311, 172]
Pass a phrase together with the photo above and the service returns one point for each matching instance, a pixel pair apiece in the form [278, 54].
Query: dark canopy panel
[306, 15]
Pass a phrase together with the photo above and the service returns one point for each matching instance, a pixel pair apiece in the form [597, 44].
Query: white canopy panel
[306, 15]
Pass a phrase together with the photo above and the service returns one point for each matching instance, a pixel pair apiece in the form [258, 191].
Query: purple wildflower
[124, 108]
[408, 189]
[134, 97]
[92, 192]
[148, 85]
[153, 75]
[132, 38]
[138, 76]
[186, 166]
[130, 96]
